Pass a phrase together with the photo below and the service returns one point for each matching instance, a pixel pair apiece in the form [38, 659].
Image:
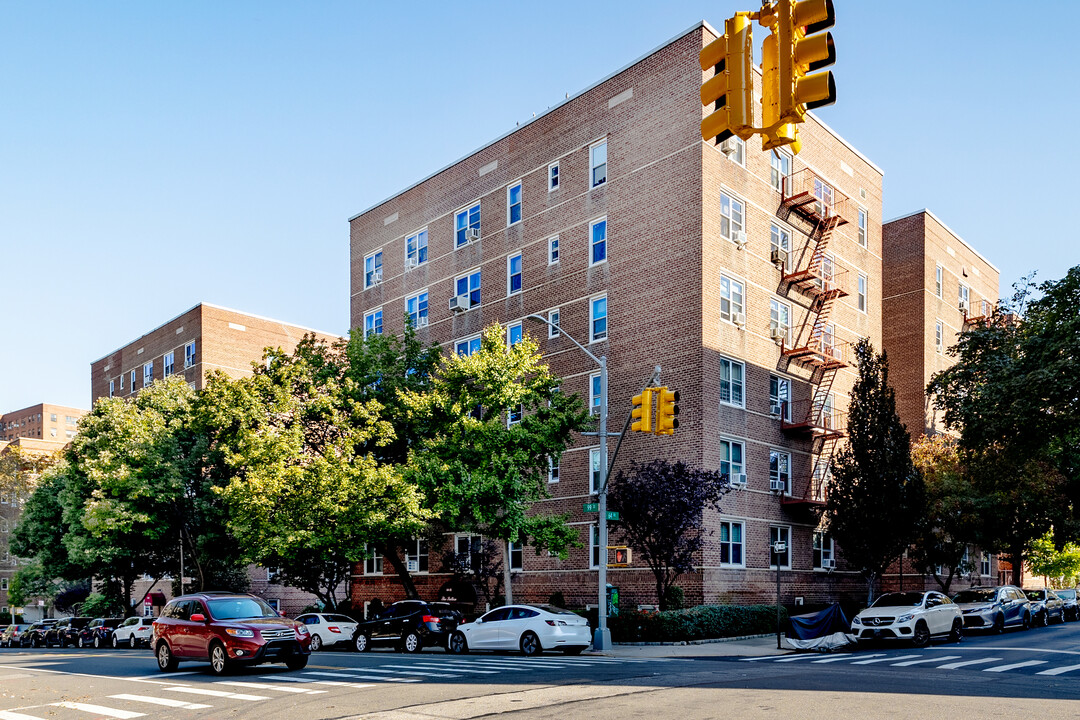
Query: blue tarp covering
[828, 621]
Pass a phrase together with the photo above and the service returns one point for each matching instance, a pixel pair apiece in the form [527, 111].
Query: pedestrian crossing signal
[621, 558]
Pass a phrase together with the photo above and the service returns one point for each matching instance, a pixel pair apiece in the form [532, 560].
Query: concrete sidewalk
[742, 647]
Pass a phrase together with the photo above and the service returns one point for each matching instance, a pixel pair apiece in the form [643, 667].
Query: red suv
[228, 629]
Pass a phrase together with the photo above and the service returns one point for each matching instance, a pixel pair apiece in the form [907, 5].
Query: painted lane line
[89, 675]
[167, 702]
[404, 670]
[796, 658]
[312, 681]
[286, 678]
[1013, 666]
[1059, 670]
[9, 715]
[909, 663]
[361, 677]
[217, 693]
[846, 656]
[462, 663]
[458, 669]
[172, 674]
[884, 659]
[267, 686]
[954, 666]
[100, 710]
[769, 657]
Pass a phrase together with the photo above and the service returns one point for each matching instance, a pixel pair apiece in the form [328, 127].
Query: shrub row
[699, 623]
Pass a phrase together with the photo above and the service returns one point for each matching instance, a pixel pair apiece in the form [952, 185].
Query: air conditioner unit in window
[739, 319]
[412, 565]
[739, 238]
[376, 277]
[460, 303]
[779, 257]
[776, 485]
[828, 563]
[412, 262]
[777, 332]
[963, 306]
[738, 479]
[423, 321]
[729, 146]
[472, 234]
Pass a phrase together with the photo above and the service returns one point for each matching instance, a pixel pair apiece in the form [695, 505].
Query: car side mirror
[281, 613]
[198, 617]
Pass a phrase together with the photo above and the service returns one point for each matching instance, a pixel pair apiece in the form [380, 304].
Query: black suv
[66, 632]
[99, 632]
[408, 625]
[35, 634]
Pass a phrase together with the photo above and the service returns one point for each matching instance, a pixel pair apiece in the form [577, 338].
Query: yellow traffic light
[803, 50]
[642, 412]
[731, 87]
[774, 132]
[666, 409]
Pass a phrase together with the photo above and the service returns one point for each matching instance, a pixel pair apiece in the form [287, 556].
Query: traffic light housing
[666, 410]
[642, 412]
[622, 557]
[804, 48]
[730, 89]
[774, 132]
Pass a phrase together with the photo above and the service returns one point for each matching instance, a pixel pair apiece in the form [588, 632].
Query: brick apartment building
[42, 421]
[205, 338]
[745, 274]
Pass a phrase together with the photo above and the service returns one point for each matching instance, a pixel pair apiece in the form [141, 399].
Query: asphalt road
[1020, 673]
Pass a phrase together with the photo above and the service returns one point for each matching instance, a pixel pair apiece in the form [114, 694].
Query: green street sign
[591, 507]
[612, 515]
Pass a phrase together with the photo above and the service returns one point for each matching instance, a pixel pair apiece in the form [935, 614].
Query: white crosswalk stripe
[909, 663]
[11, 715]
[407, 670]
[1059, 670]
[884, 659]
[99, 710]
[795, 658]
[356, 676]
[167, 702]
[1013, 666]
[500, 666]
[217, 693]
[289, 678]
[476, 670]
[265, 686]
[965, 663]
[844, 657]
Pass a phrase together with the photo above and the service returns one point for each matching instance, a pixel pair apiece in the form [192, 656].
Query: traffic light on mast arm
[642, 412]
[666, 410]
[731, 87]
[804, 48]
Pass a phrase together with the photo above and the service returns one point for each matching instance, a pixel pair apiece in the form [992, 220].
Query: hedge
[699, 623]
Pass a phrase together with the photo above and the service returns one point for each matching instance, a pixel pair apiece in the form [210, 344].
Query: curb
[707, 641]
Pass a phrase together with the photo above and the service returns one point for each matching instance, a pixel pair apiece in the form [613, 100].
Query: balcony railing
[806, 193]
[805, 416]
[821, 351]
[827, 278]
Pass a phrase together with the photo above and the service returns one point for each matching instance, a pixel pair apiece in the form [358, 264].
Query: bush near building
[704, 622]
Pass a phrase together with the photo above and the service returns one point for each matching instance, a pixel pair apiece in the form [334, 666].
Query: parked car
[994, 608]
[914, 616]
[228, 629]
[35, 634]
[1072, 609]
[133, 632]
[528, 628]
[409, 625]
[12, 636]
[99, 632]
[328, 630]
[1046, 607]
[66, 632]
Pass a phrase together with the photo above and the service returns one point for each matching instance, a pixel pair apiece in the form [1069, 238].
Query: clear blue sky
[154, 155]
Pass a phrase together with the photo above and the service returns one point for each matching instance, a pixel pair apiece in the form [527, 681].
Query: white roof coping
[948, 229]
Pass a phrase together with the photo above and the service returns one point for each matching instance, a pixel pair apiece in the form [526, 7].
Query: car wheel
[1025, 624]
[115, 643]
[530, 644]
[957, 634]
[921, 638]
[219, 659]
[999, 624]
[97, 643]
[458, 645]
[411, 643]
[316, 643]
[362, 643]
[82, 643]
[133, 642]
[165, 660]
[297, 662]
[573, 650]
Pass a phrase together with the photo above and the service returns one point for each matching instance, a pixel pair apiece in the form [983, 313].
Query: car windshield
[338, 618]
[1034, 594]
[554, 610]
[905, 599]
[1066, 594]
[238, 608]
[975, 595]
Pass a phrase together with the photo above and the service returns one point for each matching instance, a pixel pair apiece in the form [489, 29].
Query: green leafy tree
[1059, 567]
[875, 501]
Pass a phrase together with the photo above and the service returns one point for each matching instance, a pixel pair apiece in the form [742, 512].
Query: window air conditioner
[460, 303]
[413, 261]
[739, 238]
[779, 257]
[376, 277]
[739, 319]
[738, 479]
[963, 306]
[729, 146]
[412, 565]
[828, 563]
[776, 332]
[472, 234]
[423, 321]
[777, 485]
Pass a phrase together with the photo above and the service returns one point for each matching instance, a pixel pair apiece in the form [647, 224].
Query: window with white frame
[731, 461]
[469, 285]
[513, 204]
[513, 274]
[862, 292]
[553, 250]
[417, 308]
[553, 320]
[780, 397]
[984, 565]
[963, 296]
[373, 560]
[823, 551]
[514, 415]
[598, 241]
[467, 346]
[416, 249]
[939, 336]
[862, 227]
[189, 355]
[121, 386]
[731, 300]
[416, 556]
[731, 216]
[553, 470]
[598, 319]
[594, 546]
[779, 319]
[731, 543]
[373, 323]
[168, 361]
[738, 150]
[513, 334]
[466, 225]
[780, 245]
[827, 408]
[596, 472]
[598, 164]
[939, 277]
[112, 387]
[779, 168]
[148, 373]
[780, 534]
[373, 269]
[553, 177]
[731, 382]
[132, 381]
[824, 194]
[594, 394]
[517, 556]
[780, 470]
[468, 549]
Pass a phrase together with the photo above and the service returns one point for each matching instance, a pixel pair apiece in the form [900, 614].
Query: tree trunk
[509, 593]
[1017, 558]
[870, 578]
[390, 551]
[661, 593]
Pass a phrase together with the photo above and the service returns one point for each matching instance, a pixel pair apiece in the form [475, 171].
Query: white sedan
[913, 616]
[528, 628]
[327, 630]
[135, 631]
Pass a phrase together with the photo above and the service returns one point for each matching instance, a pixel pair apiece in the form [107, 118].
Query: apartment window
[823, 550]
[780, 245]
[373, 323]
[594, 394]
[513, 334]
[52, 431]
[939, 336]
[169, 361]
[373, 560]
[939, 274]
[824, 194]
[553, 250]
[4, 585]
[780, 534]
[598, 324]
[553, 177]
[112, 387]
[780, 471]
[513, 204]
[862, 292]
[779, 319]
[594, 546]
[731, 216]
[596, 475]
[189, 354]
[553, 320]
[731, 461]
[780, 168]
[598, 242]
[731, 300]
[731, 543]
[964, 296]
[780, 396]
[467, 346]
[148, 373]
[132, 381]
[52, 417]
[984, 565]
[416, 249]
[553, 470]
[598, 164]
[416, 557]
[469, 285]
[862, 227]
[372, 269]
[738, 150]
[466, 225]
[513, 274]
[417, 308]
[731, 382]
[517, 556]
[514, 415]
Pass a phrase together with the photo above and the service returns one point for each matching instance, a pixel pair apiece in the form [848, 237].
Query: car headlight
[857, 620]
[240, 632]
[302, 629]
[905, 618]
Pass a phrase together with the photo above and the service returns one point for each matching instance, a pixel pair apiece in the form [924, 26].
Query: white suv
[914, 616]
[135, 631]
[327, 630]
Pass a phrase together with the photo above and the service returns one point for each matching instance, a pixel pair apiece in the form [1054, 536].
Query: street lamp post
[602, 636]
